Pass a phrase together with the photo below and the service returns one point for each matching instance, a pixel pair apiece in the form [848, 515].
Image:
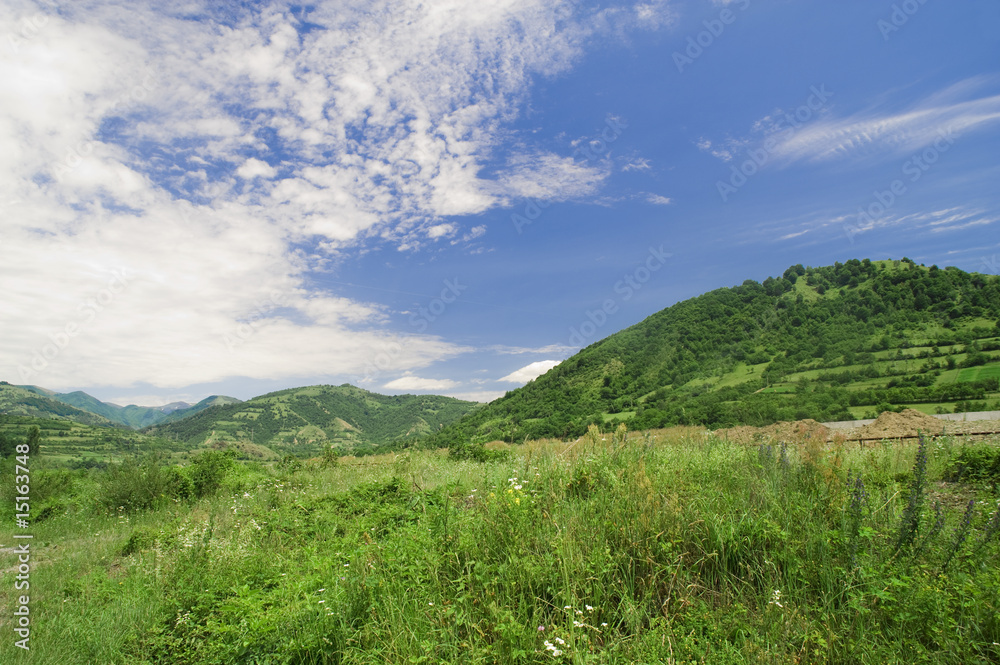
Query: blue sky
[447, 197]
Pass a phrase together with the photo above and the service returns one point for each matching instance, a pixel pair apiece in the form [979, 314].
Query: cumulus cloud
[417, 383]
[530, 372]
[211, 155]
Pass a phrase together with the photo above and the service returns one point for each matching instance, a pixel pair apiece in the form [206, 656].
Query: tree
[34, 440]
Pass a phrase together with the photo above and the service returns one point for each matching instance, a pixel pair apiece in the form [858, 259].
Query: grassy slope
[349, 418]
[682, 549]
[18, 401]
[736, 355]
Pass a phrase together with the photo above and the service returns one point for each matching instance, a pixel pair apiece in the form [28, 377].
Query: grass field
[661, 547]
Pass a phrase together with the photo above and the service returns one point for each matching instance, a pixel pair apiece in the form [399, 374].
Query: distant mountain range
[19, 401]
[81, 407]
[353, 420]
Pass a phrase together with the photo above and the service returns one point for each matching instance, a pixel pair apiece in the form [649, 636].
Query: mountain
[180, 413]
[828, 343]
[131, 415]
[351, 419]
[15, 400]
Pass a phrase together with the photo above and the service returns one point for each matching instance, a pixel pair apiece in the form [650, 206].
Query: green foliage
[857, 334]
[975, 463]
[137, 485]
[619, 548]
[208, 470]
[309, 420]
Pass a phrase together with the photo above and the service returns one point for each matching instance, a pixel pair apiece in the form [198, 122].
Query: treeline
[657, 369]
[373, 422]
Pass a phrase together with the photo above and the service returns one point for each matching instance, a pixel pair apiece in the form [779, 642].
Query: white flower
[589, 608]
[776, 598]
[559, 640]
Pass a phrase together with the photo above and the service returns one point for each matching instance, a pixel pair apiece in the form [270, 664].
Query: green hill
[18, 401]
[828, 343]
[131, 416]
[352, 420]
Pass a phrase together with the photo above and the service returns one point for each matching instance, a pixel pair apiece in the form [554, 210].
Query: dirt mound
[798, 431]
[794, 432]
[892, 425]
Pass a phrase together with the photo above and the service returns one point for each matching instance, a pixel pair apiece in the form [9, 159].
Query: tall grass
[615, 549]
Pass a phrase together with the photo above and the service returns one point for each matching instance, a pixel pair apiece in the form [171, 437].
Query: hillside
[830, 343]
[131, 415]
[17, 401]
[350, 419]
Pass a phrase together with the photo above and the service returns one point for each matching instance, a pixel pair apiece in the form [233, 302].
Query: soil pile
[891, 425]
[799, 431]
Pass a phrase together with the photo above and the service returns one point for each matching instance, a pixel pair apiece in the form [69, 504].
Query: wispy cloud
[217, 153]
[957, 110]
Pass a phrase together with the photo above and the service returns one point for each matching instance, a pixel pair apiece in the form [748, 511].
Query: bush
[133, 486]
[977, 463]
[209, 469]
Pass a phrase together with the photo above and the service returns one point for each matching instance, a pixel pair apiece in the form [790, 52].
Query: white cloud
[530, 372]
[656, 199]
[253, 168]
[417, 383]
[203, 149]
[949, 114]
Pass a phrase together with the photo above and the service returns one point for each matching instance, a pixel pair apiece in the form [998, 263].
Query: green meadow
[659, 547]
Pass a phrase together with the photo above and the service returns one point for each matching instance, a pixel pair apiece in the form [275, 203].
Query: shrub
[133, 486]
[209, 469]
[976, 463]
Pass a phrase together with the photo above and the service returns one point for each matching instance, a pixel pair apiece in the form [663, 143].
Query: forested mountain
[827, 343]
[18, 401]
[131, 415]
[351, 419]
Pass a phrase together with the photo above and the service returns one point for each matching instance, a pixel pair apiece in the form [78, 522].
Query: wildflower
[568, 607]
[589, 608]
[517, 487]
[321, 591]
[604, 625]
[775, 598]
[322, 601]
[431, 604]
[559, 640]
[541, 629]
